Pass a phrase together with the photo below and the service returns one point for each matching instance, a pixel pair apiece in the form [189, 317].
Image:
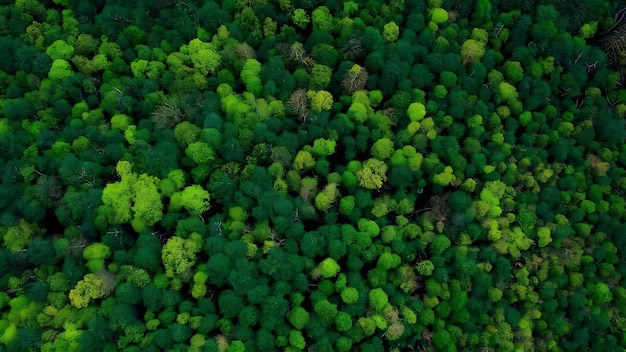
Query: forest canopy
[263, 175]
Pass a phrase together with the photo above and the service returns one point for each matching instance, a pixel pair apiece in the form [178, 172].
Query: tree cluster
[305, 175]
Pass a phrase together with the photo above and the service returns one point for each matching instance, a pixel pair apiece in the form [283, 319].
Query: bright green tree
[303, 161]
[200, 152]
[425, 268]
[195, 199]
[320, 100]
[372, 174]
[60, 70]
[95, 254]
[328, 268]
[472, 51]
[91, 287]
[322, 20]
[250, 76]
[382, 149]
[298, 317]
[204, 56]
[178, 255]
[60, 49]
[378, 299]
[349, 295]
[296, 339]
[300, 18]
[17, 237]
[391, 31]
[439, 15]
[325, 310]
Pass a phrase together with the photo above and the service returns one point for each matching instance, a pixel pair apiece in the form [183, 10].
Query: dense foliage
[294, 175]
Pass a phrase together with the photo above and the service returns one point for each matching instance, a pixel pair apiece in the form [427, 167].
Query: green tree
[425, 268]
[439, 15]
[325, 310]
[60, 70]
[326, 198]
[349, 295]
[186, 133]
[194, 199]
[250, 76]
[303, 161]
[472, 51]
[391, 31]
[322, 20]
[17, 238]
[320, 100]
[382, 149]
[60, 49]
[328, 268]
[178, 255]
[322, 147]
[298, 317]
[91, 287]
[201, 153]
[320, 77]
[296, 339]
[300, 18]
[95, 254]
[378, 299]
[204, 56]
[372, 174]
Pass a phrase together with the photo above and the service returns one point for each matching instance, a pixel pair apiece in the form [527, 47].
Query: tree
[250, 76]
[371, 175]
[299, 103]
[349, 295]
[147, 207]
[378, 299]
[186, 133]
[17, 237]
[300, 18]
[178, 255]
[201, 153]
[92, 286]
[391, 31]
[328, 268]
[425, 268]
[326, 198]
[297, 340]
[322, 147]
[60, 70]
[194, 199]
[507, 92]
[439, 15]
[60, 49]
[320, 77]
[382, 149]
[95, 254]
[322, 20]
[325, 310]
[303, 161]
[320, 100]
[298, 317]
[204, 56]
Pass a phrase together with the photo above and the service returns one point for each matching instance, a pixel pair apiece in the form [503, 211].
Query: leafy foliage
[292, 175]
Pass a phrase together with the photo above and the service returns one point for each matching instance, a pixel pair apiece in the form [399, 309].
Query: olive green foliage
[254, 175]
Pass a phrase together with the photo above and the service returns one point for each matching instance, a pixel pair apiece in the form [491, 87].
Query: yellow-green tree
[178, 255]
[91, 287]
[135, 199]
[372, 174]
[472, 51]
